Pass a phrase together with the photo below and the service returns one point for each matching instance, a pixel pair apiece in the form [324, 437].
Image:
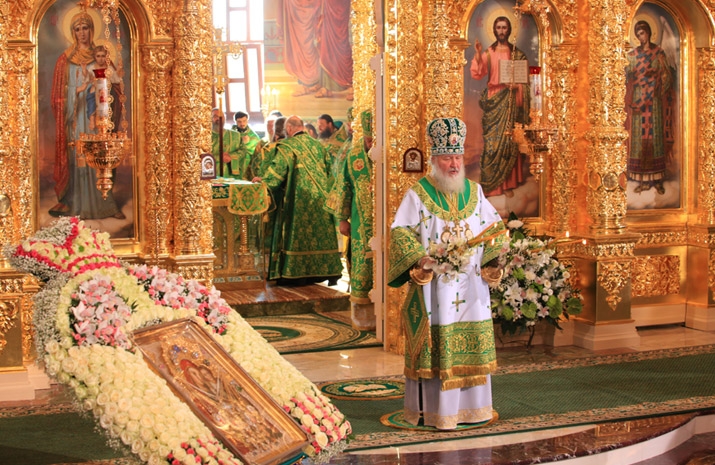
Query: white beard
[448, 184]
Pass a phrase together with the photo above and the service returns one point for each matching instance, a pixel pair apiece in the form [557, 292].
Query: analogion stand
[238, 208]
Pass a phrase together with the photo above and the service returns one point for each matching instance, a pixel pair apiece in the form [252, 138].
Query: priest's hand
[344, 228]
[426, 263]
[226, 157]
[256, 179]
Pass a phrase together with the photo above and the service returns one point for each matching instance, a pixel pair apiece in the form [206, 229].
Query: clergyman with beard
[236, 156]
[249, 141]
[449, 345]
[502, 166]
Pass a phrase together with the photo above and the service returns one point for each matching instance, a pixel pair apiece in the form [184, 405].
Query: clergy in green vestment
[262, 159]
[304, 246]
[238, 147]
[332, 135]
[351, 201]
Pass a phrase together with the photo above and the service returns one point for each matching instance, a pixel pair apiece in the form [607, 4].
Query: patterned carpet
[564, 393]
[527, 396]
[311, 332]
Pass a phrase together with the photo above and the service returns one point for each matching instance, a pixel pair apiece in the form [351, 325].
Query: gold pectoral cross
[456, 231]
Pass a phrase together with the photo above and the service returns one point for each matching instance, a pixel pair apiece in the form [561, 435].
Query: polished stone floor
[673, 440]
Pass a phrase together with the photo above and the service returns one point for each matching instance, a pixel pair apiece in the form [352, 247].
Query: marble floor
[673, 440]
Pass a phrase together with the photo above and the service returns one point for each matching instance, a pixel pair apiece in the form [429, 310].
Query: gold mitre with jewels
[446, 136]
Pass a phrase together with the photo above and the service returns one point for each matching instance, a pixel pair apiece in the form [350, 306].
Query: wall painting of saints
[492, 106]
[652, 105]
[71, 44]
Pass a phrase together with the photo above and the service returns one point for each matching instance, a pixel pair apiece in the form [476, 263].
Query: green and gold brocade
[460, 354]
[303, 243]
[405, 251]
[351, 199]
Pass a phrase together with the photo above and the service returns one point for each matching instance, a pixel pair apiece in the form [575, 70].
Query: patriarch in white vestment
[443, 243]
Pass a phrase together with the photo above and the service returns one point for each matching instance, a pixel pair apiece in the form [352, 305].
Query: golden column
[561, 185]
[405, 126]
[16, 196]
[605, 270]
[701, 236]
[157, 60]
[191, 111]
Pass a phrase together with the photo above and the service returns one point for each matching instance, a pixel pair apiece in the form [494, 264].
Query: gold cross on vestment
[457, 302]
[423, 219]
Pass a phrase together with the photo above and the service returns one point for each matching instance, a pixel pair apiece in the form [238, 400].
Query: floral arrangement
[449, 258]
[84, 314]
[535, 286]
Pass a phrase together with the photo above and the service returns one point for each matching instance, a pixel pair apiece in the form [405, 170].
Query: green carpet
[310, 332]
[52, 439]
[534, 398]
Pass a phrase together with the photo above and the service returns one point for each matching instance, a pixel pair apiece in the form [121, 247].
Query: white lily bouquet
[535, 286]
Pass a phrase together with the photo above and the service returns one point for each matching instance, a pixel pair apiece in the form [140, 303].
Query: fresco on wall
[652, 110]
[491, 106]
[308, 58]
[71, 43]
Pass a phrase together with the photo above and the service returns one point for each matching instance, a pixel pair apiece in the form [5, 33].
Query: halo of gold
[655, 29]
[96, 18]
[493, 15]
[110, 47]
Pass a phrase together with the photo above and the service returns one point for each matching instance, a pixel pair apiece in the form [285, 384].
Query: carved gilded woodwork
[16, 292]
[561, 185]
[9, 311]
[662, 238]
[192, 67]
[655, 276]
[613, 277]
[157, 61]
[405, 126]
[440, 78]
[21, 63]
[163, 14]
[30, 287]
[17, 18]
[6, 189]
[706, 135]
[606, 165]
[568, 13]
